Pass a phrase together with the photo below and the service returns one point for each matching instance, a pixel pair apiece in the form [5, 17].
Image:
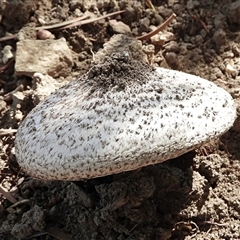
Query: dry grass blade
[62, 24]
[150, 5]
[7, 195]
[4, 132]
[8, 96]
[76, 22]
[6, 38]
[158, 29]
[4, 67]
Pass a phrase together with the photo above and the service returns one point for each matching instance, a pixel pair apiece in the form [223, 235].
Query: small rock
[219, 37]
[149, 50]
[196, 4]
[217, 73]
[234, 12]
[161, 38]
[209, 55]
[171, 57]
[7, 54]
[220, 21]
[183, 50]
[52, 57]
[41, 20]
[210, 166]
[172, 47]
[190, 5]
[178, 9]
[119, 27]
[226, 54]
[203, 33]
[199, 39]
[171, 3]
[157, 40]
[43, 86]
[18, 115]
[230, 69]
[236, 50]
[156, 19]
[17, 98]
[164, 12]
[144, 24]
[43, 34]
[78, 13]
[73, 4]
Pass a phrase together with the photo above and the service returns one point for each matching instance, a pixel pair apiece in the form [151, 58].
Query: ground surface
[193, 197]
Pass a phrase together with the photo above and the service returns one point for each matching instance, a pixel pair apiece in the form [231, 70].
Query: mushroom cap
[110, 121]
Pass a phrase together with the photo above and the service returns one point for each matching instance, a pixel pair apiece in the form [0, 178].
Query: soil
[195, 196]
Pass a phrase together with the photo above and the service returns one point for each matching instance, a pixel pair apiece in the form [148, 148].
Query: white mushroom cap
[110, 121]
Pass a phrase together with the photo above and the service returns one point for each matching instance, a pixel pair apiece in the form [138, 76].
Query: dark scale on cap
[116, 73]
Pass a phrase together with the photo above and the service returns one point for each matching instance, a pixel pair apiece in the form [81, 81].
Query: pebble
[178, 9]
[7, 54]
[160, 38]
[149, 50]
[165, 12]
[157, 19]
[183, 50]
[73, 4]
[217, 73]
[199, 39]
[230, 69]
[172, 46]
[189, 5]
[43, 34]
[219, 37]
[41, 20]
[171, 57]
[233, 12]
[77, 12]
[18, 98]
[192, 4]
[171, 2]
[52, 57]
[119, 27]
[144, 24]
[219, 21]
[236, 50]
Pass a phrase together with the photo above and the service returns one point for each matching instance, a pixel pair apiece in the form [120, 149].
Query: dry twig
[8, 96]
[6, 65]
[10, 37]
[201, 22]
[158, 29]
[7, 195]
[62, 24]
[4, 132]
[150, 5]
[77, 22]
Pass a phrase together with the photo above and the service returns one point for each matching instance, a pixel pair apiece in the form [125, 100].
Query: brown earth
[195, 196]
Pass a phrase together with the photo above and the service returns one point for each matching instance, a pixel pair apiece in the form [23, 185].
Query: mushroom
[121, 115]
